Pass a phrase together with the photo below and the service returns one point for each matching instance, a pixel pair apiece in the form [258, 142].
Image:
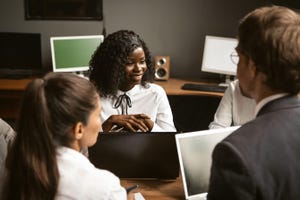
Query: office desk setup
[192, 110]
[11, 91]
[173, 88]
[10, 97]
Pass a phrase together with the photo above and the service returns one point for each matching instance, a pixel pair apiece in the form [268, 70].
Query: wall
[169, 27]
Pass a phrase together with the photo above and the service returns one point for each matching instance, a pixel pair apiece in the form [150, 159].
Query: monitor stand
[228, 79]
[81, 74]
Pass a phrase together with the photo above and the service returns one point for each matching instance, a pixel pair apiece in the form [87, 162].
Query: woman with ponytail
[58, 117]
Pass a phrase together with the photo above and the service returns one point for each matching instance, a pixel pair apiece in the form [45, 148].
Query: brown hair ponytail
[50, 108]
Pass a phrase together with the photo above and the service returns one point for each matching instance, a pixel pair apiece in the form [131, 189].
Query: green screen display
[73, 53]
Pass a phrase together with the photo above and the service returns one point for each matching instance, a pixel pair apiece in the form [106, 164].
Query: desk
[173, 87]
[14, 84]
[192, 110]
[157, 189]
[10, 95]
[11, 92]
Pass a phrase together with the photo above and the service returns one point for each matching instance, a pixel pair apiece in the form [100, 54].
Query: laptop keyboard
[203, 87]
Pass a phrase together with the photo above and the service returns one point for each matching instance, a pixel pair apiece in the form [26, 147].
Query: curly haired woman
[122, 69]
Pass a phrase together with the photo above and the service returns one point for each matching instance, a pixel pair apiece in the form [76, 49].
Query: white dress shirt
[152, 101]
[79, 179]
[234, 109]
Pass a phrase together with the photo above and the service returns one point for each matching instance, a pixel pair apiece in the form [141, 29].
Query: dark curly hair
[107, 66]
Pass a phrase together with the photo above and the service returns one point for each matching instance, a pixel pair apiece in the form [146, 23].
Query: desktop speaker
[162, 67]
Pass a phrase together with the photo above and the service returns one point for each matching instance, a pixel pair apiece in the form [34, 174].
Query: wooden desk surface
[14, 84]
[173, 87]
[157, 189]
[11, 91]
[10, 95]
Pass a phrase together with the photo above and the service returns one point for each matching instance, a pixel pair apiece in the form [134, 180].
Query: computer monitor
[73, 53]
[20, 54]
[219, 54]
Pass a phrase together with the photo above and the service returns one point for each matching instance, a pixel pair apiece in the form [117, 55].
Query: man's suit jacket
[261, 160]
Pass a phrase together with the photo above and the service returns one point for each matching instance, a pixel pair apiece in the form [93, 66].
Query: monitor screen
[20, 51]
[217, 55]
[73, 53]
[195, 151]
[64, 10]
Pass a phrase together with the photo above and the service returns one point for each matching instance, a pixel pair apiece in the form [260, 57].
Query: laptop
[195, 158]
[137, 155]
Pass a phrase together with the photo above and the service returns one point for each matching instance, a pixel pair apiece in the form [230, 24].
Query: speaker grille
[162, 67]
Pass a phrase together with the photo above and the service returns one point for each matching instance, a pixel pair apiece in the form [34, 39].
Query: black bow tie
[123, 101]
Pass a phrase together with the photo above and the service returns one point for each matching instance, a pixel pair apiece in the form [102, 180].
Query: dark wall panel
[170, 27]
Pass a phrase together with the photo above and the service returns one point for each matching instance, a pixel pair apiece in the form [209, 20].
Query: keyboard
[203, 87]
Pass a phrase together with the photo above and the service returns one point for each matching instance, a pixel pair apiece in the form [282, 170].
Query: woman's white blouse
[152, 101]
[234, 109]
[79, 179]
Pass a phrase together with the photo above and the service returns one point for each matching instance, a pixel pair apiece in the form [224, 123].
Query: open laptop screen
[195, 152]
[137, 155]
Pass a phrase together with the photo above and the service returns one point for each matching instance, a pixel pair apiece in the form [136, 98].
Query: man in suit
[261, 160]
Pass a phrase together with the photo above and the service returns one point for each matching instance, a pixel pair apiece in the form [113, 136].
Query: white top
[79, 179]
[234, 109]
[152, 101]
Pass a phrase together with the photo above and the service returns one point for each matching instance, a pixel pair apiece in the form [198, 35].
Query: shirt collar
[267, 100]
[130, 92]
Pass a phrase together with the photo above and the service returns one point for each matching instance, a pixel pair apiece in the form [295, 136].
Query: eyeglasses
[234, 58]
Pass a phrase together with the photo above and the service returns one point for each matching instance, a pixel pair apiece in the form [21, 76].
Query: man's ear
[255, 72]
[78, 130]
[253, 68]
